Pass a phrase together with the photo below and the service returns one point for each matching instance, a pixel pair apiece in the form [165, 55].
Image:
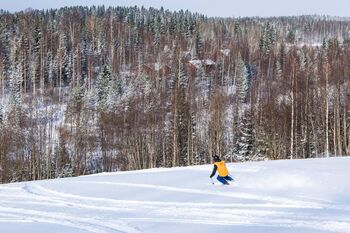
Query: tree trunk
[327, 113]
[292, 113]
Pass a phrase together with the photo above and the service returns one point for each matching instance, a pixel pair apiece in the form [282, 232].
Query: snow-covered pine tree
[112, 95]
[198, 43]
[241, 80]
[246, 138]
[15, 85]
[267, 38]
[68, 66]
[291, 35]
[244, 145]
[181, 119]
[102, 86]
[50, 68]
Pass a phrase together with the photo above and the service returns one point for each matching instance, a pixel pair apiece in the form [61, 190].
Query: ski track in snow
[39, 202]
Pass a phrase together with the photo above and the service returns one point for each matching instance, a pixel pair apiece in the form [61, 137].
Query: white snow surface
[308, 196]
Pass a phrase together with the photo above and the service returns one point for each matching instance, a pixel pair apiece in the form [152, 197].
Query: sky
[224, 8]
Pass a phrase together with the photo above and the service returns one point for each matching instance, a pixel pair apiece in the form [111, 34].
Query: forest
[85, 90]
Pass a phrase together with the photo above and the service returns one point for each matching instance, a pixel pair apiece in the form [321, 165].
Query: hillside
[309, 196]
[85, 90]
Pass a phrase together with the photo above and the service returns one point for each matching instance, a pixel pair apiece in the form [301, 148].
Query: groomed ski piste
[301, 196]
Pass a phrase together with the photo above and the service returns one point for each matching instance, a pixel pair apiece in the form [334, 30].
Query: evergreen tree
[68, 66]
[241, 80]
[183, 118]
[246, 138]
[102, 87]
[113, 95]
[267, 38]
[291, 35]
[15, 85]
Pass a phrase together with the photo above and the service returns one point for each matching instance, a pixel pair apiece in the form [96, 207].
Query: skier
[220, 166]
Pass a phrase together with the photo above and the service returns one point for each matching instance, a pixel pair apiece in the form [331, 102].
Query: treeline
[87, 90]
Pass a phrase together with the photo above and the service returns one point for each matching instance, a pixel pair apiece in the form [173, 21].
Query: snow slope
[308, 196]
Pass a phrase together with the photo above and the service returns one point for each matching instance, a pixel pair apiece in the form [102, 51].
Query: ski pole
[212, 182]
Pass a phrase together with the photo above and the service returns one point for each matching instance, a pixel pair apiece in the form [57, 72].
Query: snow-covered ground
[275, 196]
